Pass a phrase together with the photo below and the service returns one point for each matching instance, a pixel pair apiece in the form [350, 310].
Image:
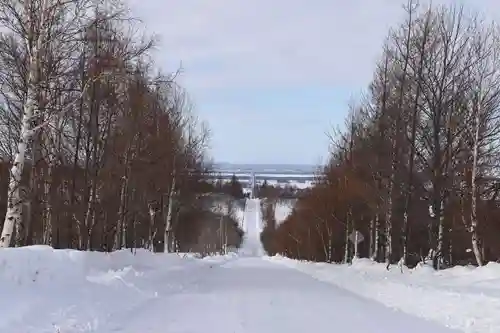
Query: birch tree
[40, 26]
[69, 87]
[484, 115]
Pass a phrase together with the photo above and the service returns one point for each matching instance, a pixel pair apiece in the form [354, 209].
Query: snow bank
[63, 291]
[44, 265]
[463, 298]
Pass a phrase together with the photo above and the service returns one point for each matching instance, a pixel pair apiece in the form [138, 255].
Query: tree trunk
[13, 216]
[474, 221]
[168, 221]
[346, 249]
[376, 237]
[388, 231]
[152, 219]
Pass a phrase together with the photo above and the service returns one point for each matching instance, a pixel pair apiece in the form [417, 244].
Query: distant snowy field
[464, 298]
[266, 168]
[282, 180]
[279, 175]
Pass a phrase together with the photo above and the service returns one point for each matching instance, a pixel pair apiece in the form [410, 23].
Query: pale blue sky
[271, 77]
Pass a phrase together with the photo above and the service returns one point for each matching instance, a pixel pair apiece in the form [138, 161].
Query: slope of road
[71, 291]
[252, 225]
[251, 295]
[248, 294]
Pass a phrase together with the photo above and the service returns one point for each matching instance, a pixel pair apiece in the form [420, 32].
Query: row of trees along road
[416, 168]
[98, 151]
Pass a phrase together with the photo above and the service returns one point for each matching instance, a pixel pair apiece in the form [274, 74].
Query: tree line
[415, 170]
[276, 192]
[100, 150]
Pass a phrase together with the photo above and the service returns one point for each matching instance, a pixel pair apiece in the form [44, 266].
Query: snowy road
[248, 293]
[254, 295]
[252, 225]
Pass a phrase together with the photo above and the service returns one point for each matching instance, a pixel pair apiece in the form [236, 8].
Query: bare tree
[43, 27]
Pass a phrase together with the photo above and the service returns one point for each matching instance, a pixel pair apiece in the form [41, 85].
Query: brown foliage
[416, 172]
[118, 156]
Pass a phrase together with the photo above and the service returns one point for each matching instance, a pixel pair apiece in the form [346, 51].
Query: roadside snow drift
[464, 298]
[62, 291]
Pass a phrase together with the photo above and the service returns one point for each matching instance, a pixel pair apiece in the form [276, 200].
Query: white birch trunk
[346, 249]
[330, 248]
[474, 221]
[388, 229]
[168, 220]
[89, 218]
[356, 255]
[152, 217]
[372, 232]
[404, 236]
[376, 238]
[121, 215]
[440, 242]
[47, 231]
[52, 160]
[390, 203]
[221, 235]
[13, 216]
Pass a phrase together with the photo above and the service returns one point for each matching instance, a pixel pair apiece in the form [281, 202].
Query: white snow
[65, 291]
[239, 215]
[225, 208]
[463, 298]
[267, 175]
[252, 226]
[282, 210]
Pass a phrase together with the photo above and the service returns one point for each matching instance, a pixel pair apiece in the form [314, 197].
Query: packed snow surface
[252, 226]
[464, 298]
[65, 291]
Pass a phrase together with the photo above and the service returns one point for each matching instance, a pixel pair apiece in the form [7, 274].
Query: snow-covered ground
[63, 291]
[302, 184]
[252, 226]
[282, 210]
[267, 175]
[464, 298]
[226, 207]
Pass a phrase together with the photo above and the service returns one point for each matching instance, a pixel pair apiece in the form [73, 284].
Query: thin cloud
[227, 46]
